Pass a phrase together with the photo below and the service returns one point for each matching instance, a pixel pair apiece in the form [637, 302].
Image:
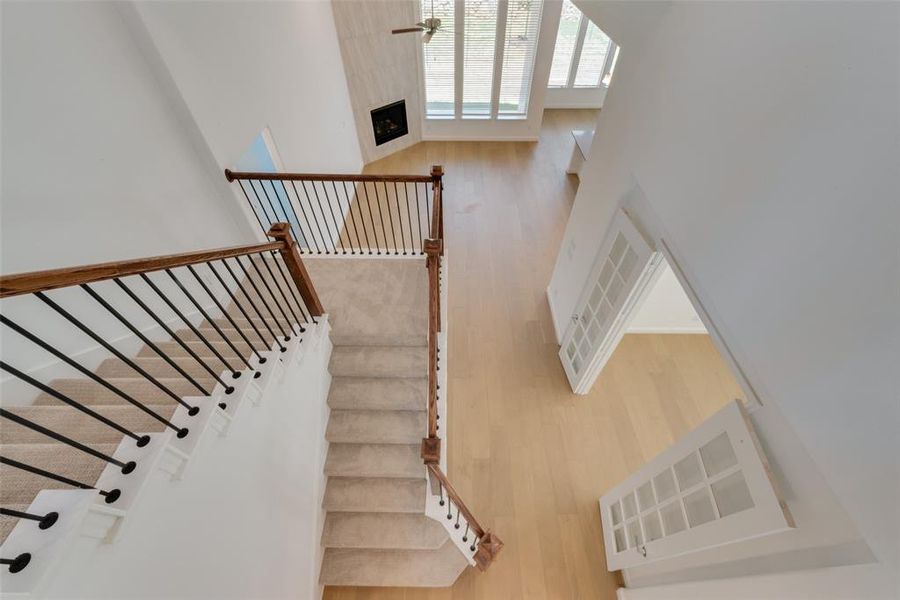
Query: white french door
[621, 271]
[710, 488]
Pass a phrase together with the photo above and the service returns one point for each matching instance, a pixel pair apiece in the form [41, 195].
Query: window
[492, 43]
[438, 62]
[584, 56]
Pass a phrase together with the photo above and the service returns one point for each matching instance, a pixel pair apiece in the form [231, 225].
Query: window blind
[438, 61]
[593, 57]
[566, 38]
[523, 22]
[479, 35]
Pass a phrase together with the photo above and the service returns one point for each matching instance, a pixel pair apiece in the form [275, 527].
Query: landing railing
[269, 299]
[485, 544]
[343, 214]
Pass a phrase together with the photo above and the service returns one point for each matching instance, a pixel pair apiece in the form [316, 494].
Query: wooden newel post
[488, 548]
[282, 233]
[437, 182]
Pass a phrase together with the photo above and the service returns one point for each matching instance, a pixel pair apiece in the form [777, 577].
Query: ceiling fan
[429, 26]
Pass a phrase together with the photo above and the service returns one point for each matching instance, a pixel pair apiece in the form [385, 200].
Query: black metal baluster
[228, 316]
[387, 199]
[274, 218]
[400, 217]
[265, 302]
[419, 219]
[441, 492]
[144, 338]
[305, 218]
[290, 285]
[252, 208]
[412, 241]
[465, 537]
[359, 210]
[108, 496]
[18, 563]
[449, 509]
[200, 336]
[240, 307]
[333, 220]
[312, 210]
[287, 302]
[192, 410]
[298, 235]
[182, 431]
[474, 544]
[209, 319]
[142, 440]
[44, 521]
[456, 525]
[372, 217]
[262, 184]
[253, 304]
[126, 467]
[346, 227]
[352, 216]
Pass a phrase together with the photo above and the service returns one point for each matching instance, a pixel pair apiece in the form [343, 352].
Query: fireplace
[389, 122]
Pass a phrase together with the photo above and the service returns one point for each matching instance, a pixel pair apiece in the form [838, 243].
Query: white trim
[556, 331]
[499, 52]
[665, 330]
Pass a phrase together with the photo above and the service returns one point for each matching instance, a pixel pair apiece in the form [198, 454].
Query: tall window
[584, 56]
[438, 61]
[479, 63]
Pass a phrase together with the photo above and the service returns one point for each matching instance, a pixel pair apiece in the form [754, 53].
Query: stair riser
[378, 361]
[360, 393]
[376, 427]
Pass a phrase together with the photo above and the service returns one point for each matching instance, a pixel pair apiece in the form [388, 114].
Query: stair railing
[265, 287]
[341, 214]
[485, 544]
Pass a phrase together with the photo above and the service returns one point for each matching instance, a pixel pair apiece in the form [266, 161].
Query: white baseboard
[694, 330]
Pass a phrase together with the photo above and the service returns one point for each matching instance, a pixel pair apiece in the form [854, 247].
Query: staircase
[391, 516]
[376, 532]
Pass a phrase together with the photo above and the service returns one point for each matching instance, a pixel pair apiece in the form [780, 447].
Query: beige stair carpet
[376, 532]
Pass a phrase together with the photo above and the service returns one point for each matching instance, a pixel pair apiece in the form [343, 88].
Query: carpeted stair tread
[374, 460]
[90, 392]
[382, 530]
[402, 568]
[370, 494]
[378, 393]
[174, 349]
[376, 426]
[379, 361]
[21, 487]
[80, 426]
[357, 339]
[159, 367]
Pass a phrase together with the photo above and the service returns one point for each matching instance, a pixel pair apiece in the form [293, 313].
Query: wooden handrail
[489, 545]
[42, 281]
[433, 249]
[232, 175]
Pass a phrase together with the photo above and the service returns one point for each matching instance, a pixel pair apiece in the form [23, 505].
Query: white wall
[242, 66]
[666, 309]
[95, 163]
[764, 137]
[575, 97]
[245, 521]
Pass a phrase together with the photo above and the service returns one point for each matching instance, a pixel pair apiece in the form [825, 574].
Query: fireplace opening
[389, 122]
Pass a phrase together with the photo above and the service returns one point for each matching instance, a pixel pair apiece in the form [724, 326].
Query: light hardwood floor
[528, 456]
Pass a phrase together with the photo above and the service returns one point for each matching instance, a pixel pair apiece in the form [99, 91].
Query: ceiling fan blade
[428, 35]
[421, 24]
[406, 30]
